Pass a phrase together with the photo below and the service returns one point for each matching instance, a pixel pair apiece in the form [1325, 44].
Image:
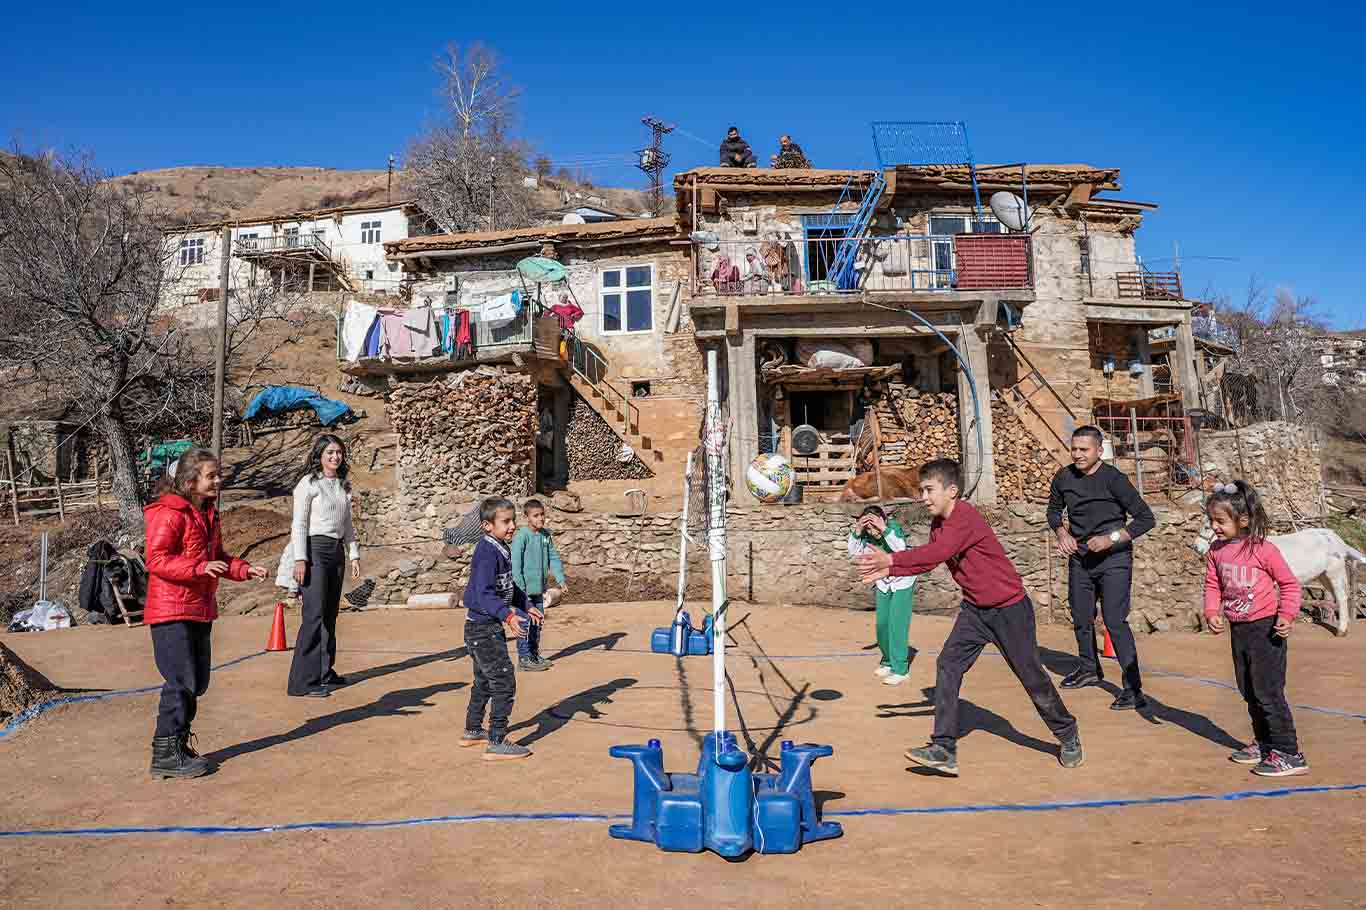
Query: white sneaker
[895, 679]
[882, 671]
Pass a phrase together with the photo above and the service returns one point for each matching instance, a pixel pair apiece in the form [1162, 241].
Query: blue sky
[1243, 121]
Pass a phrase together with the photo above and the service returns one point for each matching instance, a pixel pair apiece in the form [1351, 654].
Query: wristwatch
[1114, 537]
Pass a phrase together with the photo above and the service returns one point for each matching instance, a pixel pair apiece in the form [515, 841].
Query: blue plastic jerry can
[727, 798]
[682, 627]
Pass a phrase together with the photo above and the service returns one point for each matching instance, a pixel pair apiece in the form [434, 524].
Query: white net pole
[716, 539]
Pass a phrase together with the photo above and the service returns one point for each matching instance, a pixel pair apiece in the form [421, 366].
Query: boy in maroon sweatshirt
[995, 611]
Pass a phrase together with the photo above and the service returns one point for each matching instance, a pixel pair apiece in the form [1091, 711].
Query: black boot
[187, 740]
[169, 759]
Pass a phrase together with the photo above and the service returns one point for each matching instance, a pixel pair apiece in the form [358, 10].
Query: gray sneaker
[1070, 754]
[1276, 763]
[505, 751]
[1250, 754]
[543, 662]
[473, 738]
[532, 664]
[935, 756]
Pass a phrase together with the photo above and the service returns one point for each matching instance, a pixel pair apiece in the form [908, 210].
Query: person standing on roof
[735, 152]
[1105, 514]
[790, 154]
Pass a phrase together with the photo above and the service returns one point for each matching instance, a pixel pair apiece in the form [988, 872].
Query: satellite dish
[1010, 210]
[573, 218]
[806, 439]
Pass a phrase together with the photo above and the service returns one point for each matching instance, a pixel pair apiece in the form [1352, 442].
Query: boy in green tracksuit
[873, 530]
[534, 560]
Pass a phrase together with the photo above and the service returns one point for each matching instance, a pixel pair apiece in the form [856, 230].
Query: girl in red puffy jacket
[185, 559]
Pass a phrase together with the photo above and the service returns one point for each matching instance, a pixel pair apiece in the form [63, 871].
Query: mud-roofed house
[622, 382]
[880, 271]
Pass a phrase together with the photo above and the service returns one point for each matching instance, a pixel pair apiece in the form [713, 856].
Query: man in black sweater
[1099, 501]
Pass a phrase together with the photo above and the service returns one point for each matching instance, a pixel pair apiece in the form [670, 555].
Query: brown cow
[896, 483]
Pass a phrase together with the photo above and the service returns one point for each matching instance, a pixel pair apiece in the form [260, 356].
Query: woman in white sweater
[322, 537]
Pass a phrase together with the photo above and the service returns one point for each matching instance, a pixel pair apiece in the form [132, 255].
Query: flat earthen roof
[627, 229]
[927, 176]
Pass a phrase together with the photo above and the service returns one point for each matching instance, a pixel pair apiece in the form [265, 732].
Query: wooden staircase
[1021, 398]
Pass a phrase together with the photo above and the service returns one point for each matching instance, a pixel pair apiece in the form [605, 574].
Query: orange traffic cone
[277, 629]
[1109, 645]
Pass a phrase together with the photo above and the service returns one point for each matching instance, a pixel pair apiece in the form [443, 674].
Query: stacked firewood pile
[474, 431]
[595, 449]
[1024, 469]
[917, 426]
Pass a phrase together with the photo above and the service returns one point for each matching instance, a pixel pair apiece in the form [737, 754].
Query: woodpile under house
[471, 431]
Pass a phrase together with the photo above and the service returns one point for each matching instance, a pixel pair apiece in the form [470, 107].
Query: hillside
[203, 193]
[207, 193]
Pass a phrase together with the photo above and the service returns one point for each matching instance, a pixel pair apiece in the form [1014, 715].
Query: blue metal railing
[899, 262]
[926, 142]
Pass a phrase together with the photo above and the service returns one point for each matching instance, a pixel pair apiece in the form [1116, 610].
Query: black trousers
[1107, 576]
[1259, 662]
[494, 678]
[315, 648]
[1011, 630]
[182, 654]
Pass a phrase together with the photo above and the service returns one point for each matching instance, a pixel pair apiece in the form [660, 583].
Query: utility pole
[653, 160]
[221, 340]
[391, 179]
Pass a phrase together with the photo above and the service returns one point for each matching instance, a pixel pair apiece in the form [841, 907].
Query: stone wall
[1282, 460]
[796, 555]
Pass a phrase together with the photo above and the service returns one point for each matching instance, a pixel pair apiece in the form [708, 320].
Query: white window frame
[371, 231]
[192, 251]
[621, 291]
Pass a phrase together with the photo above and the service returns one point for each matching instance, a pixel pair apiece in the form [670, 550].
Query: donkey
[1312, 554]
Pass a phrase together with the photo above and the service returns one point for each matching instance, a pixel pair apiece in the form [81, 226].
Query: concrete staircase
[621, 414]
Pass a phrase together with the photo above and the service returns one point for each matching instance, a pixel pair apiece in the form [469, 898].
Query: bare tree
[1278, 358]
[466, 172]
[84, 269]
[542, 167]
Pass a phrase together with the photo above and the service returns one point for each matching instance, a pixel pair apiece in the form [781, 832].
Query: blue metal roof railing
[926, 142]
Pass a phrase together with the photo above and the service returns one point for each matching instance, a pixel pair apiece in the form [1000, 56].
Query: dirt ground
[384, 751]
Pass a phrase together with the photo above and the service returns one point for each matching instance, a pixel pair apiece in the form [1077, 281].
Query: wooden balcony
[1149, 285]
[293, 247]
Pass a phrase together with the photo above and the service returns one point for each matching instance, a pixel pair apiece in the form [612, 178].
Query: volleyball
[769, 478]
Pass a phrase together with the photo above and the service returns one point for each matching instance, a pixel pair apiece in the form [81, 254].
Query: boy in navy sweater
[491, 605]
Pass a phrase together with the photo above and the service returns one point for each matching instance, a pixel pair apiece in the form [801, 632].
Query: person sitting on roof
[735, 152]
[790, 154]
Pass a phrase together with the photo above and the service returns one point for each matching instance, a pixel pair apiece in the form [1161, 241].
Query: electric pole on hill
[653, 161]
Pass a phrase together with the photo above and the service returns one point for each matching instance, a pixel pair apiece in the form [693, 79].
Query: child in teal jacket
[534, 560]
[874, 530]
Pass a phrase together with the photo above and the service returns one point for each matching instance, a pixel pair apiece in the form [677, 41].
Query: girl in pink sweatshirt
[1249, 585]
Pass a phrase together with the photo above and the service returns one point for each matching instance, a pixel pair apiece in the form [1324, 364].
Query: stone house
[622, 390]
[782, 257]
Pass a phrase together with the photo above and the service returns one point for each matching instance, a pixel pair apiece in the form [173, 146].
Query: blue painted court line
[579, 817]
[1119, 803]
[30, 713]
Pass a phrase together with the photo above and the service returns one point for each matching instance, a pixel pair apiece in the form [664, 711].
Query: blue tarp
[275, 398]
